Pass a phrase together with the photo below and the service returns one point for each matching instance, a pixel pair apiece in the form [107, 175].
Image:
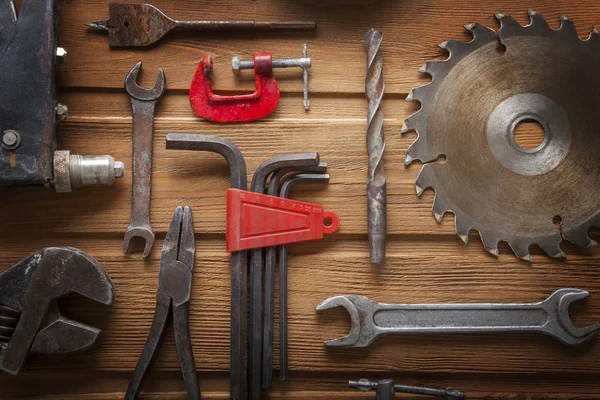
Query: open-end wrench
[370, 319]
[269, 297]
[259, 181]
[283, 261]
[239, 259]
[143, 102]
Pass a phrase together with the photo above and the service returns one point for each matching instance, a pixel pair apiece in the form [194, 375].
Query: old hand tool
[269, 295]
[376, 185]
[29, 55]
[246, 107]
[387, 389]
[144, 25]
[239, 259]
[172, 298]
[283, 275]
[370, 319]
[259, 180]
[469, 114]
[143, 102]
[30, 320]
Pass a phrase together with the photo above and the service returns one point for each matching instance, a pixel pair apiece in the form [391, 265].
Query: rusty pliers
[173, 295]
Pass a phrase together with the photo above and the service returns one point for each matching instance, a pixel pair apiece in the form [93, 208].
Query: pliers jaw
[28, 294]
[177, 260]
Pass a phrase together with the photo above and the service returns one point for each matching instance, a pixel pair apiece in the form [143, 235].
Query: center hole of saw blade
[529, 135]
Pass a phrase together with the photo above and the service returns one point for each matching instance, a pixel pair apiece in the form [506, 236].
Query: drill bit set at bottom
[256, 221]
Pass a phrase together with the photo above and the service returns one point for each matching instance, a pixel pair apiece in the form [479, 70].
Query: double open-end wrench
[143, 102]
[370, 319]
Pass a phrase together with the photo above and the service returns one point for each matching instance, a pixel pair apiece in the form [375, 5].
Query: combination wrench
[143, 102]
[370, 319]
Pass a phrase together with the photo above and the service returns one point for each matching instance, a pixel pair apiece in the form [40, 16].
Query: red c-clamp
[247, 107]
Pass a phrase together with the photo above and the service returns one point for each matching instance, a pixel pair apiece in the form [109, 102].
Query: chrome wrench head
[143, 101]
[361, 321]
[559, 323]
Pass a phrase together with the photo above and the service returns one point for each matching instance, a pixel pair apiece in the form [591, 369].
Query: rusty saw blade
[469, 112]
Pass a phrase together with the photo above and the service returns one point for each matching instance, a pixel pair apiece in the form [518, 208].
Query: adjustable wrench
[370, 319]
[143, 102]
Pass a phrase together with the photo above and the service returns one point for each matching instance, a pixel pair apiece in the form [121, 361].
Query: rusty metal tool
[257, 264]
[376, 184]
[487, 180]
[239, 260]
[172, 299]
[29, 111]
[370, 319]
[143, 25]
[143, 102]
[269, 295]
[283, 275]
[30, 319]
[387, 389]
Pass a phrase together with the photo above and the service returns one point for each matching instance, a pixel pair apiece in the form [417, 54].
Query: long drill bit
[376, 191]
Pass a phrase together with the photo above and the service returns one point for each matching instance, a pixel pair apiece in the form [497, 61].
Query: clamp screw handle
[304, 62]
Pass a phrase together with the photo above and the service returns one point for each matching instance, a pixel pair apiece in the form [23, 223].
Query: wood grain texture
[427, 262]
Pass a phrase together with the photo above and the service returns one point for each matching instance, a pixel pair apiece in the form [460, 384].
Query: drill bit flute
[376, 190]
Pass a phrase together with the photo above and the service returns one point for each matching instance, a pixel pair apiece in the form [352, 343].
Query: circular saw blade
[469, 112]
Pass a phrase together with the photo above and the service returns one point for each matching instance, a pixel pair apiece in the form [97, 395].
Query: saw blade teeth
[417, 94]
[411, 123]
[490, 243]
[439, 208]
[424, 180]
[480, 32]
[508, 25]
[593, 34]
[453, 46]
[552, 248]
[461, 228]
[419, 151]
[567, 26]
[432, 68]
[536, 19]
[580, 237]
[520, 248]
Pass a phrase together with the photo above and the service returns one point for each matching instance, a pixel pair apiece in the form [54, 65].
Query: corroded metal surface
[469, 112]
[143, 25]
[376, 183]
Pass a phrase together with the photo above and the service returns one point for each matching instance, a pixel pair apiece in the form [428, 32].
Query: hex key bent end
[239, 260]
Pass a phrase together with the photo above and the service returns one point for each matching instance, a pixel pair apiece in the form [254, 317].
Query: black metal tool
[269, 297]
[143, 25]
[29, 55]
[172, 296]
[386, 390]
[30, 320]
[283, 275]
[239, 260]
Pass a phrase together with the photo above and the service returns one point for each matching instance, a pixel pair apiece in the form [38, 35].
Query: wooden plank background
[427, 262]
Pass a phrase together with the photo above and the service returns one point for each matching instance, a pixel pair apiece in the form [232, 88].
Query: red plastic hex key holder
[241, 108]
[257, 220]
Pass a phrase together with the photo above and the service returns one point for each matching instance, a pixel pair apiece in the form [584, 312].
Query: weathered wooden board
[427, 262]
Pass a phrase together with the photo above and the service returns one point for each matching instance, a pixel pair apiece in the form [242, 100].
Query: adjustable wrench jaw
[31, 288]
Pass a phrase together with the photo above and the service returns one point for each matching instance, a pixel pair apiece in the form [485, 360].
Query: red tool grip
[256, 220]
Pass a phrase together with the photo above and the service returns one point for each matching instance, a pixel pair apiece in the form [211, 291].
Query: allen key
[257, 264]
[269, 295]
[239, 259]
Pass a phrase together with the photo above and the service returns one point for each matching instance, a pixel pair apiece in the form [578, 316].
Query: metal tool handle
[245, 25]
[452, 318]
[143, 128]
